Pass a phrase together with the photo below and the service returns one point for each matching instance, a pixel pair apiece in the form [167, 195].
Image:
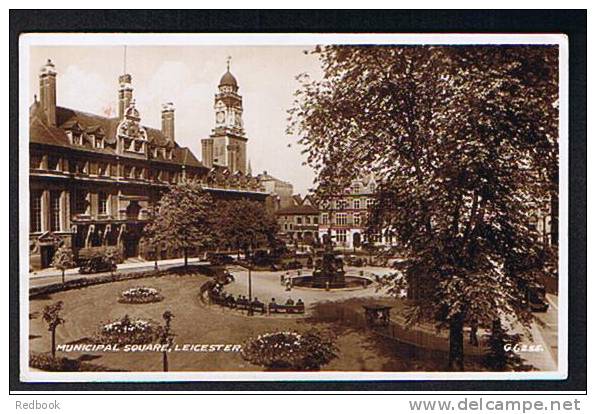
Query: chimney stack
[47, 91]
[167, 121]
[124, 93]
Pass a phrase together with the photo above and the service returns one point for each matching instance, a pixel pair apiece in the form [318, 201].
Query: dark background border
[571, 22]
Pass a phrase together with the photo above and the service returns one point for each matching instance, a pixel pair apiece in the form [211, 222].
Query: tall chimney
[167, 120]
[124, 93]
[47, 91]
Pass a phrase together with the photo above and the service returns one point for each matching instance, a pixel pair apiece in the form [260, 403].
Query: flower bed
[127, 331]
[290, 351]
[140, 294]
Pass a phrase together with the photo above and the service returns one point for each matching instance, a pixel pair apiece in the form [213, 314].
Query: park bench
[277, 308]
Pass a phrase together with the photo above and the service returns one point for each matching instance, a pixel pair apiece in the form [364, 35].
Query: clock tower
[226, 146]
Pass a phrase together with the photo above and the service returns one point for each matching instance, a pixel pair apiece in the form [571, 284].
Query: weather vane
[228, 60]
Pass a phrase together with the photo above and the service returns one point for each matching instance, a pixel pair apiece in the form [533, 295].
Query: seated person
[299, 303]
[289, 302]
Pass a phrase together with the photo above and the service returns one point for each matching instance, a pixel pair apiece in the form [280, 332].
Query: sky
[188, 76]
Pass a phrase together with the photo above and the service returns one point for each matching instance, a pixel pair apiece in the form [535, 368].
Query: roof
[228, 80]
[40, 132]
[301, 209]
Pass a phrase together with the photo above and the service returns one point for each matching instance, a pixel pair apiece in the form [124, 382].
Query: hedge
[116, 277]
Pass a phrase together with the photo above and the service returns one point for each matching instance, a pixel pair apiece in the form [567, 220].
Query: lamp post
[249, 267]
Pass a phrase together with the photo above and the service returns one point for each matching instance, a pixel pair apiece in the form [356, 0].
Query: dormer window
[99, 142]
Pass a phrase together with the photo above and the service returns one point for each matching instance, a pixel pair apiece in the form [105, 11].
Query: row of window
[102, 169]
[36, 210]
[85, 140]
[355, 204]
[302, 219]
[342, 219]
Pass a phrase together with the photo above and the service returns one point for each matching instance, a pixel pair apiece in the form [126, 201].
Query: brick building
[299, 223]
[93, 178]
[345, 216]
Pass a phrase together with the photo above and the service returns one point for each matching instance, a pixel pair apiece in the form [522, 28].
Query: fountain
[329, 272]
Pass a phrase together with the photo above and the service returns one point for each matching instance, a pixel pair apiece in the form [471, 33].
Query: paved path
[267, 285]
[50, 275]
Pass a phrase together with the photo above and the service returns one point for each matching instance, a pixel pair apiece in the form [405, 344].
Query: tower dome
[228, 80]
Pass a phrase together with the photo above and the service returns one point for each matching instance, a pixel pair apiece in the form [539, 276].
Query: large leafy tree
[183, 217]
[242, 224]
[464, 143]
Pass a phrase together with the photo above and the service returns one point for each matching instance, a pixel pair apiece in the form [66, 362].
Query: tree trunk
[456, 344]
[185, 257]
[54, 343]
[62, 276]
[165, 361]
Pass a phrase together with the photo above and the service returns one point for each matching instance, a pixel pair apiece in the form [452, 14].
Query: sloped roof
[301, 209]
[41, 132]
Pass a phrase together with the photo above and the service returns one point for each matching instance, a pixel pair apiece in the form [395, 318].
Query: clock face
[219, 117]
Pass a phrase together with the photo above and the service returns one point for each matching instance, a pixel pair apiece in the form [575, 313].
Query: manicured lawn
[196, 323]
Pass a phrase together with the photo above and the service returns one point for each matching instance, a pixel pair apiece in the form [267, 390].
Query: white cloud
[84, 90]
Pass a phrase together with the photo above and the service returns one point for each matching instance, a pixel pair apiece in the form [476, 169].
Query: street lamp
[249, 267]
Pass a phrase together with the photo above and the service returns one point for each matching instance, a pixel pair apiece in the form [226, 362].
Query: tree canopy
[463, 142]
[240, 224]
[183, 217]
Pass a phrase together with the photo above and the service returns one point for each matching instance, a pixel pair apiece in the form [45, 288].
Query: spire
[228, 61]
[249, 169]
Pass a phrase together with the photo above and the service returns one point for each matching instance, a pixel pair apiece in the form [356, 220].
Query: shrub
[46, 362]
[290, 351]
[140, 294]
[127, 331]
[63, 259]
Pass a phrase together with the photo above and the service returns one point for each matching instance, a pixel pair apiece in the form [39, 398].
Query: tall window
[370, 202]
[104, 169]
[342, 204]
[324, 218]
[356, 203]
[55, 210]
[35, 211]
[341, 219]
[340, 235]
[81, 202]
[102, 203]
[357, 219]
[53, 163]
[298, 220]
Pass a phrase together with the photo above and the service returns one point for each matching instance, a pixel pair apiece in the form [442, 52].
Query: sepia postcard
[267, 207]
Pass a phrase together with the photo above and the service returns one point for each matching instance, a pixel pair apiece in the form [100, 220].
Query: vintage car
[218, 259]
[97, 264]
[536, 298]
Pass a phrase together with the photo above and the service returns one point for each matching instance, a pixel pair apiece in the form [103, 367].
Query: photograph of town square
[374, 208]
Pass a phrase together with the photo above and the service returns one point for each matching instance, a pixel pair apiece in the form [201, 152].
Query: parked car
[263, 258]
[97, 264]
[219, 259]
[536, 297]
[354, 261]
[292, 265]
